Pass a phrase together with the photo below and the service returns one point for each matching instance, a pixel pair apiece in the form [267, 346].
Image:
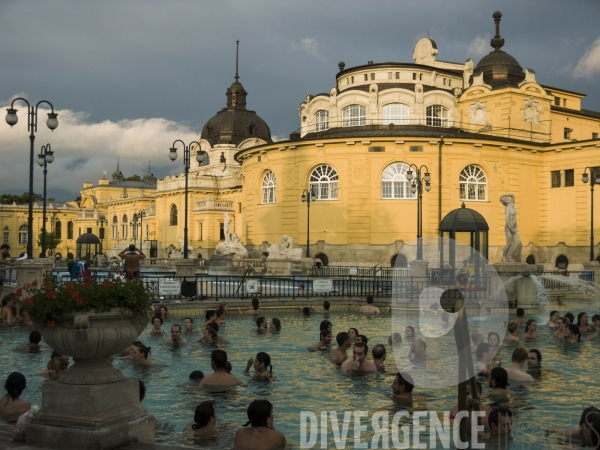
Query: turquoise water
[306, 381]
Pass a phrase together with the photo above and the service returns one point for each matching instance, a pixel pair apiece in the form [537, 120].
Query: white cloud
[308, 45]
[589, 64]
[479, 46]
[83, 150]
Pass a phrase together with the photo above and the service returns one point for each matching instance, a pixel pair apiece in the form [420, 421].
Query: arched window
[251, 129]
[354, 115]
[324, 183]
[23, 234]
[70, 229]
[562, 262]
[399, 260]
[322, 120]
[173, 216]
[58, 229]
[530, 259]
[6, 235]
[437, 116]
[394, 183]
[396, 113]
[473, 184]
[115, 227]
[124, 227]
[323, 257]
[268, 188]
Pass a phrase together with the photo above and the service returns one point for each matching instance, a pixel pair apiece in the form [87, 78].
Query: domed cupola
[498, 67]
[234, 124]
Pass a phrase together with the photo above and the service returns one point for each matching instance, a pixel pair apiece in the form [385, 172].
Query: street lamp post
[100, 222]
[306, 198]
[52, 123]
[45, 157]
[186, 164]
[136, 225]
[417, 186]
[594, 178]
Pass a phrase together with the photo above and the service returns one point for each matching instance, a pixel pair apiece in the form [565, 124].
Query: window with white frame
[396, 113]
[268, 188]
[473, 184]
[124, 226]
[115, 227]
[23, 234]
[437, 116]
[394, 183]
[324, 183]
[322, 120]
[354, 115]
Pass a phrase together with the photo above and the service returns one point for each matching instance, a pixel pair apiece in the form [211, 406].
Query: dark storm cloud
[76, 163]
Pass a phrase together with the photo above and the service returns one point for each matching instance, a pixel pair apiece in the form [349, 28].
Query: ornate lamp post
[186, 164]
[52, 123]
[45, 157]
[594, 178]
[417, 186]
[136, 225]
[306, 198]
[100, 222]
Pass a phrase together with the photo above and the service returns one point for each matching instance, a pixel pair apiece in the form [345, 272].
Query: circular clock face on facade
[423, 50]
[479, 115]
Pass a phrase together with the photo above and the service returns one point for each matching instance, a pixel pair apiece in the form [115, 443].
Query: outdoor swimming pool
[307, 381]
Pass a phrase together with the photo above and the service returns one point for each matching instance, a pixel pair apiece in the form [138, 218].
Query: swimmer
[340, 354]
[402, 387]
[305, 309]
[175, 336]
[209, 317]
[559, 300]
[225, 307]
[513, 332]
[352, 333]
[499, 384]
[220, 378]
[6, 311]
[11, 406]
[596, 322]
[261, 324]
[157, 321]
[141, 355]
[56, 367]
[534, 362]
[35, 337]
[518, 359]
[520, 316]
[326, 325]
[164, 312]
[395, 339]
[188, 324]
[369, 308]
[205, 419]
[361, 338]
[220, 320]
[261, 362]
[55, 354]
[324, 342]
[504, 325]
[262, 433]
[210, 334]
[582, 323]
[275, 324]
[494, 339]
[471, 405]
[500, 423]
[379, 355]
[409, 332]
[252, 310]
[444, 320]
[554, 315]
[196, 376]
[477, 338]
[530, 329]
[358, 363]
[485, 353]
[572, 335]
[571, 317]
[417, 350]
[561, 324]
[588, 416]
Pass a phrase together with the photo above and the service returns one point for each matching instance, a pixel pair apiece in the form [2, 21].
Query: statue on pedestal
[285, 250]
[512, 249]
[232, 244]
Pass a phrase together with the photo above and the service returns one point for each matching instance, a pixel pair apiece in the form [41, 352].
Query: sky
[129, 77]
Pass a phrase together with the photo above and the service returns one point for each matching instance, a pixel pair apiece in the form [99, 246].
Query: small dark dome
[88, 238]
[464, 219]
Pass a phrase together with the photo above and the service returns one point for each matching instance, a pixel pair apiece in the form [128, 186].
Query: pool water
[307, 381]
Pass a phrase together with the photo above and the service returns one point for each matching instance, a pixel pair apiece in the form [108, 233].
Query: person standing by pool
[340, 354]
[188, 324]
[514, 371]
[132, 257]
[220, 378]
[530, 328]
[262, 433]
[261, 362]
[175, 336]
[359, 362]
[520, 316]
[11, 406]
[582, 323]
[369, 308]
[379, 355]
[554, 315]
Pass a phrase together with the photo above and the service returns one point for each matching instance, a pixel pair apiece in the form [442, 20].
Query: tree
[133, 178]
[51, 241]
[9, 199]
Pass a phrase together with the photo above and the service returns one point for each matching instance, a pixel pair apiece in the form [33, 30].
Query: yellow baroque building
[479, 130]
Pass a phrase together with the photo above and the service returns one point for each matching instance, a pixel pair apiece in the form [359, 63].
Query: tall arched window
[322, 120]
[6, 235]
[394, 183]
[324, 183]
[58, 229]
[437, 116]
[23, 234]
[115, 228]
[473, 184]
[354, 115]
[173, 216]
[396, 113]
[70, 229]
[124, 227]
[268, 188]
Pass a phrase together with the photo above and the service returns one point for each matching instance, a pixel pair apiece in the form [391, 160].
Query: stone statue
[512, 249]
[232, 246]
[285, 250]
[226, 222]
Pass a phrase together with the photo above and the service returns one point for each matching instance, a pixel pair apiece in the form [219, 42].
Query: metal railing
[8, 274]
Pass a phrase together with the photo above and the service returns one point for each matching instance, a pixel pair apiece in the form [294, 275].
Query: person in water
[140, 354]
[157, 322]
[260, 363]
[324, 341]
[205, 419]
[220, 378]
[359, 362]
[554, 315]
[561, 324]
[530, 328]
[11, 405]
[252, 310]
[379, 355]
[175, 336]
[340, 354]
[262, 433]
[519, 357]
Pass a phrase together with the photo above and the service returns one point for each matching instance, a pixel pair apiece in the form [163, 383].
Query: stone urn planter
[91, 338]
